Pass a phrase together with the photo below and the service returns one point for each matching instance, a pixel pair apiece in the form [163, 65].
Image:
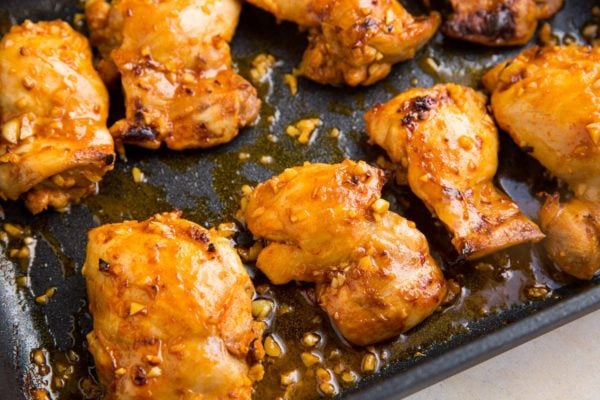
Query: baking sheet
[492, 313]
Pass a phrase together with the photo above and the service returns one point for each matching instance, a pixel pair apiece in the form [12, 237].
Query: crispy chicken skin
[326, 224]
[54, 144]
[548, 100]
[175, 66]
[171, 303]
[447, 144]
[496, 22]
[354, 42]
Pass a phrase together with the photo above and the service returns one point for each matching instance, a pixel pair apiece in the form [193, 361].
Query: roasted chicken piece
[175, 66]
[447, 145]
[548, 100]
[354, 42]
[573, 230]
[171, 304]
[54, 144]
[496, 22]
[327, 224]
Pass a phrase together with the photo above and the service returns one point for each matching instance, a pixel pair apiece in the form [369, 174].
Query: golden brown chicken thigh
[171, 303]
[548, 100]
[447, 145]
[496, 22]
[175, 66]
[327, 224]
[354, 42]
[54, 144]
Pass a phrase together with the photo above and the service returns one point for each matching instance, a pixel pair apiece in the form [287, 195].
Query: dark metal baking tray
[492, 314]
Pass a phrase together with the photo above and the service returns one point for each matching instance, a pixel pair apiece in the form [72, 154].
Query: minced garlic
[303, 129]
[261, 64]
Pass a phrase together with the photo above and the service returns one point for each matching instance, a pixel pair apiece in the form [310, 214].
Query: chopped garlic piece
[10, 131]
[292, 82]
[303, 129]
[135, 308]
[138, 175]
[261, 64]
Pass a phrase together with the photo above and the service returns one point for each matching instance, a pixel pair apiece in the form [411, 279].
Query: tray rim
[436, 368]
[461, 358]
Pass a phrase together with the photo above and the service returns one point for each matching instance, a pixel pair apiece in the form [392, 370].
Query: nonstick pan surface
[499, 305]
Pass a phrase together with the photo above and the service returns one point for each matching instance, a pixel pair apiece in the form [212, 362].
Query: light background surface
[563, 364]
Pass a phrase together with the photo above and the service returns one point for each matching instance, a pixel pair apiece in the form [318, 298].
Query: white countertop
[563, 364]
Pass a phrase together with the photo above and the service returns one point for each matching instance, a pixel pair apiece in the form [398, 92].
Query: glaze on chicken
[171, 303]
[548, 100]
[447, 145]
[496, 22]
[354, 42]
[573, 230]
[175, 66]
[54, 144]
[327, 224]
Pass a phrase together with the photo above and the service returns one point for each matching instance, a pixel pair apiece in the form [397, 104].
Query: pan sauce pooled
[327, 224]
[447, 145]
[175, 66]
[171, 303]
[54, 144]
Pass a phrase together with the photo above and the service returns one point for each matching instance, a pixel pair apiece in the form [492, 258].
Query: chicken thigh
[573, 230]
[327, 224]
[447, 144]
[175, 66]
[548, 100]
[54, 144]
[354, 42]
[496, 22]
[171, 304]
